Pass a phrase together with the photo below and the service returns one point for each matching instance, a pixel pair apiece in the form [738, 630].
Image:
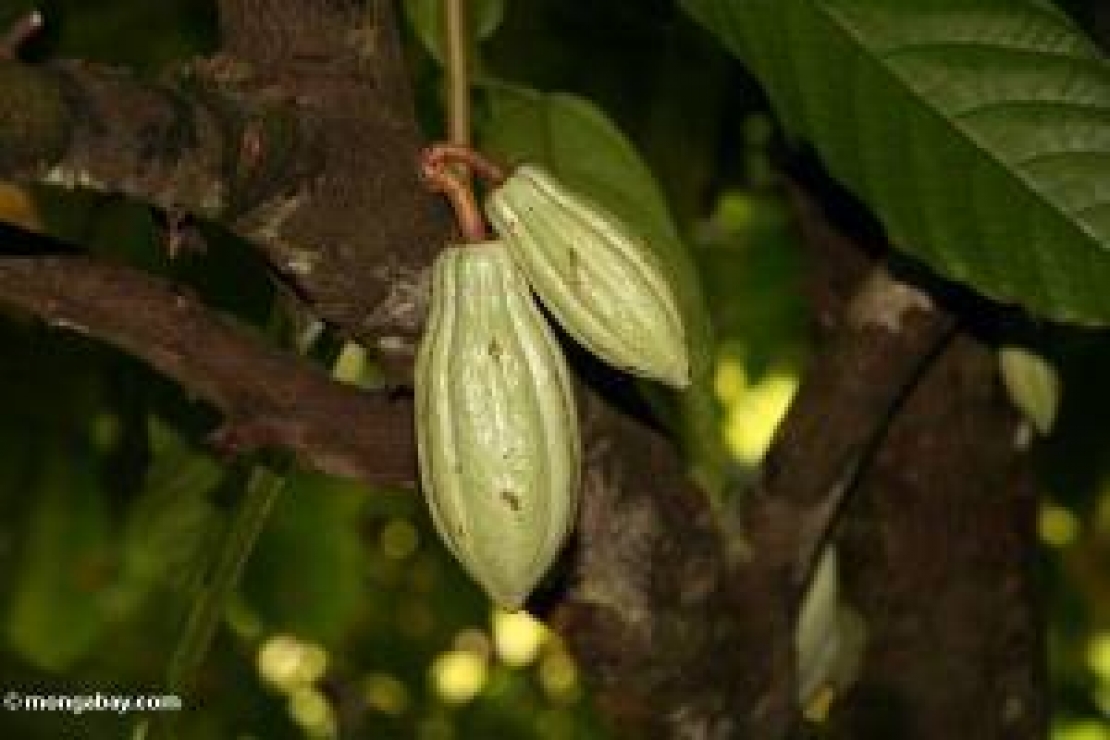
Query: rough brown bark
[357, 236]
[937, 543]
[268, 398]
[939, 548]
[304, 141]
[300, 137]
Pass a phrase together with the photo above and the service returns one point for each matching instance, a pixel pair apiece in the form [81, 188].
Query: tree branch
[269, 398]
[890, 332]
[938, 550]
[358, 238]
[196, 149]
[301, 139]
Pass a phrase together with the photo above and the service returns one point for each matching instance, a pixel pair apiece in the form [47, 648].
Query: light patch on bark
[71, 178]
[1013, 710]
[1023, 435]
[609, 557]
[365, 41]
[268, 220]
[300, 262]
[695, 723]
[212, 200]
[406, 301]
[885, 301]
[397, 346]
[69, 325]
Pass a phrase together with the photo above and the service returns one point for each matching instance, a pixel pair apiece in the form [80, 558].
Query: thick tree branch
[650, 614]
[197, 150]
[269, 398]
[301, 139]
[361, 234]
[890, 332]
[939, 549]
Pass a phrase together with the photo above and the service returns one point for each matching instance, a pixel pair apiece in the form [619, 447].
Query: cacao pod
[598, 278]
[497, 429]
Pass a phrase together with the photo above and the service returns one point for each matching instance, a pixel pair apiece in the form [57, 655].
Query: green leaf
[172, 527]
[59, 607]
[1033, 384]
[577, 143]
[978, 131]
[305, 575]
[426, 18]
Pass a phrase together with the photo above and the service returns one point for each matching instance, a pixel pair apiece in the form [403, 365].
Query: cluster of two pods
[497, 431]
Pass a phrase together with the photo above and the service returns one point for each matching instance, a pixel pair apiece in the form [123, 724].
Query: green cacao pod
[596, 276]
[497, 429]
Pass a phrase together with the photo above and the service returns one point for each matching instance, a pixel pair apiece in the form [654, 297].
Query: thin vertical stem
[261, 490]
[263, 487]
[458, 71]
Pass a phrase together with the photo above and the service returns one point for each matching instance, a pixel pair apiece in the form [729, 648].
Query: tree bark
[939, 547]
[268, 398]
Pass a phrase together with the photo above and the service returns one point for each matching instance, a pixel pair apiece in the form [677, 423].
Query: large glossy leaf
[978, 131]
[577, 142]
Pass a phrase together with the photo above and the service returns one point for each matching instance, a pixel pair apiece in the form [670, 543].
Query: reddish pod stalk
[459, 194]
[442, 154]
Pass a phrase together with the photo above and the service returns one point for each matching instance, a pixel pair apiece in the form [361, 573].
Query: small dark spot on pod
[511, 500]
[575, 276]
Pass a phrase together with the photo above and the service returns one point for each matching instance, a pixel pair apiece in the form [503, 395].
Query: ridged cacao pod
[497, 429]
[596, 276]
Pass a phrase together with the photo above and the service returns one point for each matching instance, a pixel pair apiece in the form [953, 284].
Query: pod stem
[456, 42]
[459, 194]
[440, 154]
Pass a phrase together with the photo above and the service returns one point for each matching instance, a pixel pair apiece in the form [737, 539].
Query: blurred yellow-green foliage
[350, 612]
